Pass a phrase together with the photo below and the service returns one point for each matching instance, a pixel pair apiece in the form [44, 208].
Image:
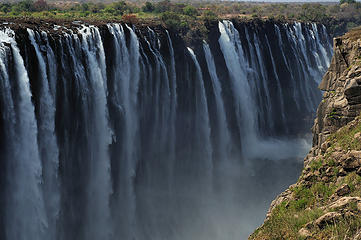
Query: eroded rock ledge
[325, 203]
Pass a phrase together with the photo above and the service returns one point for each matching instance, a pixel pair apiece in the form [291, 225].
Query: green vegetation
[347, 1]
[345, 138]
[290, 216]
[285, 222]
[315, 190]
[343, 229]
[333, 114]
[316, 165]
[187, 14]
[354, 182]
[311, 13]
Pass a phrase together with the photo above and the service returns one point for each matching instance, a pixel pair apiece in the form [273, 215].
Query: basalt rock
[341, 101]
[332, 169]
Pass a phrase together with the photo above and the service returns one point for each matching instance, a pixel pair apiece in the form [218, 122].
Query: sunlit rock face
[124, 132]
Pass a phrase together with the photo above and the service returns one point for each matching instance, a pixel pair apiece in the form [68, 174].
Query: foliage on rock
[325, 203]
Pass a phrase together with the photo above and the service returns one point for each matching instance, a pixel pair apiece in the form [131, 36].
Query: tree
[312, 12]
[209, 16]
[96, 7]
[190, 11]
[163, 6]
[171, 20]
[84, 7]
[110, 10]
[23, 6]
[120, 7]
[5, 7]
[347, 1]
[148, 7]
[40, 5]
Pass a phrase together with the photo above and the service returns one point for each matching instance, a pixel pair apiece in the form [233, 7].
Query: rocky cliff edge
[325, 203]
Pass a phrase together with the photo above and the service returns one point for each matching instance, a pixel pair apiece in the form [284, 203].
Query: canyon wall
[325, 203]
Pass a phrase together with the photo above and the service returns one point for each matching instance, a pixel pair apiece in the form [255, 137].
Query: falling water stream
[119, 132]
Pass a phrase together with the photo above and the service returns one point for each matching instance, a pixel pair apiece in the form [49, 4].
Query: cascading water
[97, 220]
[222, 134]
[25, 214]
[279, 88]
[118, 132]
[237, 67]
[48, 147]
[202, 119]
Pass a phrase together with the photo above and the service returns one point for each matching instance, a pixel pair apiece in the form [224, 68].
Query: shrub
[5, 7]
[148, 7]
[190, 11]
[316, 164]
[109, 10]
[95, 8]
[163, 6]
[171, 20]
[23, 6]
[312, 12]
[209, 16]
[347, 1]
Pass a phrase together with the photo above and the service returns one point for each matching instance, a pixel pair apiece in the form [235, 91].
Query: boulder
[357, 136]
[309, 177]
[329, 172]
[352, 161]
[328, 218]
[305, 233]
[341, 173]
[344, 202]
[357, 236]
[343, 190]
[325, 146]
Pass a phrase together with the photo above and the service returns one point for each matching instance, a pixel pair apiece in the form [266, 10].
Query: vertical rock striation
[325, 203]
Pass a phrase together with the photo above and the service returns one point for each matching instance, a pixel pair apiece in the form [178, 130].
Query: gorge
[115, 131]
[325, 201]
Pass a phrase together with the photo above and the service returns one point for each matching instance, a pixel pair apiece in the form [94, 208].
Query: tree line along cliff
[187, 17]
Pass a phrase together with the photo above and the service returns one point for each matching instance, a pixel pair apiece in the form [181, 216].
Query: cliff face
[342, 99]
[132, 134]
[325, 203]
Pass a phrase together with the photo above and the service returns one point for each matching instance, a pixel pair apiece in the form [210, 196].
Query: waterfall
[223, 132]
[300, 41]
[202, 117]
[173, 106]
[236, 64]
[47, 142]
[25, 212]
[264, 79]
[279, 87]
[126, 80]
[257, 113]
[99, 186]
[292, 77]
[323, 61]
[117, 131]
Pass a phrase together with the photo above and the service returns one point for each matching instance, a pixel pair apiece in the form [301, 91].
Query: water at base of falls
[115, 132]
